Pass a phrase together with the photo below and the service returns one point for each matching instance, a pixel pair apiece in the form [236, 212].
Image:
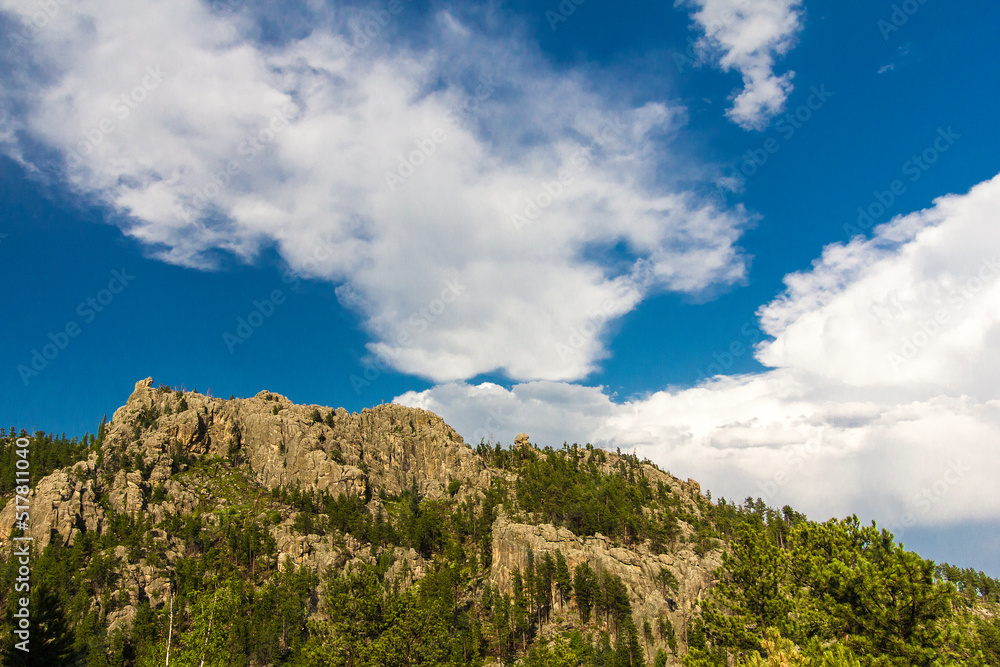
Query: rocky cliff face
[637, 567]
[65, 502]
[266, 442]
[316, 447]
[387, 448]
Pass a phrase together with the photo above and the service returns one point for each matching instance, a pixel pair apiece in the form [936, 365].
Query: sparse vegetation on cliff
[257, 532]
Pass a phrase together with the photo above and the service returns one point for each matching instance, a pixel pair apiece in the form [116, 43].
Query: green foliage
[987, 633]
[46, 453]
[557, 654]
[750, 592]
[585, 587]
[572, 650]
[974, 586]
[147, 418]
[837, 581]
[667, 581]
[211, 631]
[790, 592]
[227, 622]
[568, 487]
[781, 652]
[373, 625]
[563, 579]
[665, 629]
[864, 585]
[50, 641]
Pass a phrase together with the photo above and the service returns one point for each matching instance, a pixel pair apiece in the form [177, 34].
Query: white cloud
[747, 36]
[550, 412]
[881, 399]
[476, 259]
[915, 308]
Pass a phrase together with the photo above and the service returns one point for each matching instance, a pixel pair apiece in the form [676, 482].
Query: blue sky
[630, 224]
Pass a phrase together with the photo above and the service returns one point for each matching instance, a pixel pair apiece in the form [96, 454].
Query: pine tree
[50, 641]
[564, 581]
[752, 591]
[543, 585]
[585, 587]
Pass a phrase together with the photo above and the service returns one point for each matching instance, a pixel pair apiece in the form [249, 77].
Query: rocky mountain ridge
[145, 469]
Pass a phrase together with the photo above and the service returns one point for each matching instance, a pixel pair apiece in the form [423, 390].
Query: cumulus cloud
[551, 412]
[881, 397]
[747, 36]
[461, 193]
[914, 308]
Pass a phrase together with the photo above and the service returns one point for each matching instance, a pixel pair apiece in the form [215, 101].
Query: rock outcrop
[266, 442]
[63, 503]
[387, 447]
[637, 567]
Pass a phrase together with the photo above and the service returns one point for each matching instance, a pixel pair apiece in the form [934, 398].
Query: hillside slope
[255, 531]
